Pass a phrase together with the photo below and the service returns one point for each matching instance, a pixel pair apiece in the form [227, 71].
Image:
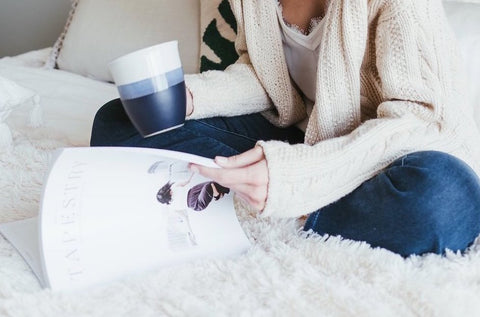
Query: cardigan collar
[265, 49]
[338, 77]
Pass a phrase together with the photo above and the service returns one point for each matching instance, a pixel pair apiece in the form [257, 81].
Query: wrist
[189, 102]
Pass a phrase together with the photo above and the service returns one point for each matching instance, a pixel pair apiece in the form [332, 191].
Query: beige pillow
[99, 31]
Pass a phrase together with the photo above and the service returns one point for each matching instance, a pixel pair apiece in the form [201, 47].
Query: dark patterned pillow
[218, 32]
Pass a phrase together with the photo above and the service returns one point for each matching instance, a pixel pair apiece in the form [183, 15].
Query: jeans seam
[315, 219]
[403, 160]
[227, 131]
[207, 136]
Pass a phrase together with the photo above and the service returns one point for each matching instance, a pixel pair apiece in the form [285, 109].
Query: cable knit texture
[387, 86]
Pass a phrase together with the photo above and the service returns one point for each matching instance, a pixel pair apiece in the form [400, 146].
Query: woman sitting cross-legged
[348, 111]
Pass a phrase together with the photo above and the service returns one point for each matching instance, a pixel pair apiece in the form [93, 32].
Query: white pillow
[99, 31]
[465, 21]
[11, 97]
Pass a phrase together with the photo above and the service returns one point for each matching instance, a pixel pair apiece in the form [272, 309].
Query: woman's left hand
[245, 173]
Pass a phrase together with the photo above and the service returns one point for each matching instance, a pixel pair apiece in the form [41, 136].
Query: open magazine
[110, 212]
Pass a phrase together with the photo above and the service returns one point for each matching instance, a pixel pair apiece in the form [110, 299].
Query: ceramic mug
[151, 85]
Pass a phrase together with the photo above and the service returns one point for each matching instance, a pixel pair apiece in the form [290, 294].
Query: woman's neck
[301, 12]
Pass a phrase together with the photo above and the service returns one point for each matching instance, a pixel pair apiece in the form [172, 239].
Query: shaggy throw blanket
[284, 274]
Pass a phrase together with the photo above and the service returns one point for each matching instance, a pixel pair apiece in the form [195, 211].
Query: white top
[301, 54]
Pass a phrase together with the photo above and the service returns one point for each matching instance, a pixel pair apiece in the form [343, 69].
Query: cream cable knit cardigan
[399, 55]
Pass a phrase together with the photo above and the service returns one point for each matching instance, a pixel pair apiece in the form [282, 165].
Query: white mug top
[146, 63]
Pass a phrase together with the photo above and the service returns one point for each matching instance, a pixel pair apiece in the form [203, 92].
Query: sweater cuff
[285, 198]
[201, 107]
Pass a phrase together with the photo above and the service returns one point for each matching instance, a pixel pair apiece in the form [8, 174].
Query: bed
[285, 273]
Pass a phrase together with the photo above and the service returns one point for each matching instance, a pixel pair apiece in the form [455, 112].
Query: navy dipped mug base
[158, 112]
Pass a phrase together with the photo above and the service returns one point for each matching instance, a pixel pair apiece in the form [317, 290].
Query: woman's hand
[246, 174]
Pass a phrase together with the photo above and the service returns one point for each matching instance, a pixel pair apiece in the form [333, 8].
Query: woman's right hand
[189, 101]
[245, 173]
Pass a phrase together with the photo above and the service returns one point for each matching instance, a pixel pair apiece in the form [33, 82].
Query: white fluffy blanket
[284, 273]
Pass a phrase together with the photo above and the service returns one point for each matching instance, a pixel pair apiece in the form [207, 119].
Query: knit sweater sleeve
[234, 91]
[304, 178]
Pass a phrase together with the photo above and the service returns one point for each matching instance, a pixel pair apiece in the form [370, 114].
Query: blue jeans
[206, 137]
[423, 202]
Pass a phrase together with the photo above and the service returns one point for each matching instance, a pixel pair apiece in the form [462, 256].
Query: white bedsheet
[69, 102]
[465, 21]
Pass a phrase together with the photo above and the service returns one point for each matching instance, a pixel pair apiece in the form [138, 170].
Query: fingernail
[221, 160]
[194, 169]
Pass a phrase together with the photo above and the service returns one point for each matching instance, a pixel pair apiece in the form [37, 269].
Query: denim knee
[111, 125]
[112, 110]
[423, 202]
[443, 199]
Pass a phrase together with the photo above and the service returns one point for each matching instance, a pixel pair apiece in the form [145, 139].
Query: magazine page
[23, 235]
[109, 212]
